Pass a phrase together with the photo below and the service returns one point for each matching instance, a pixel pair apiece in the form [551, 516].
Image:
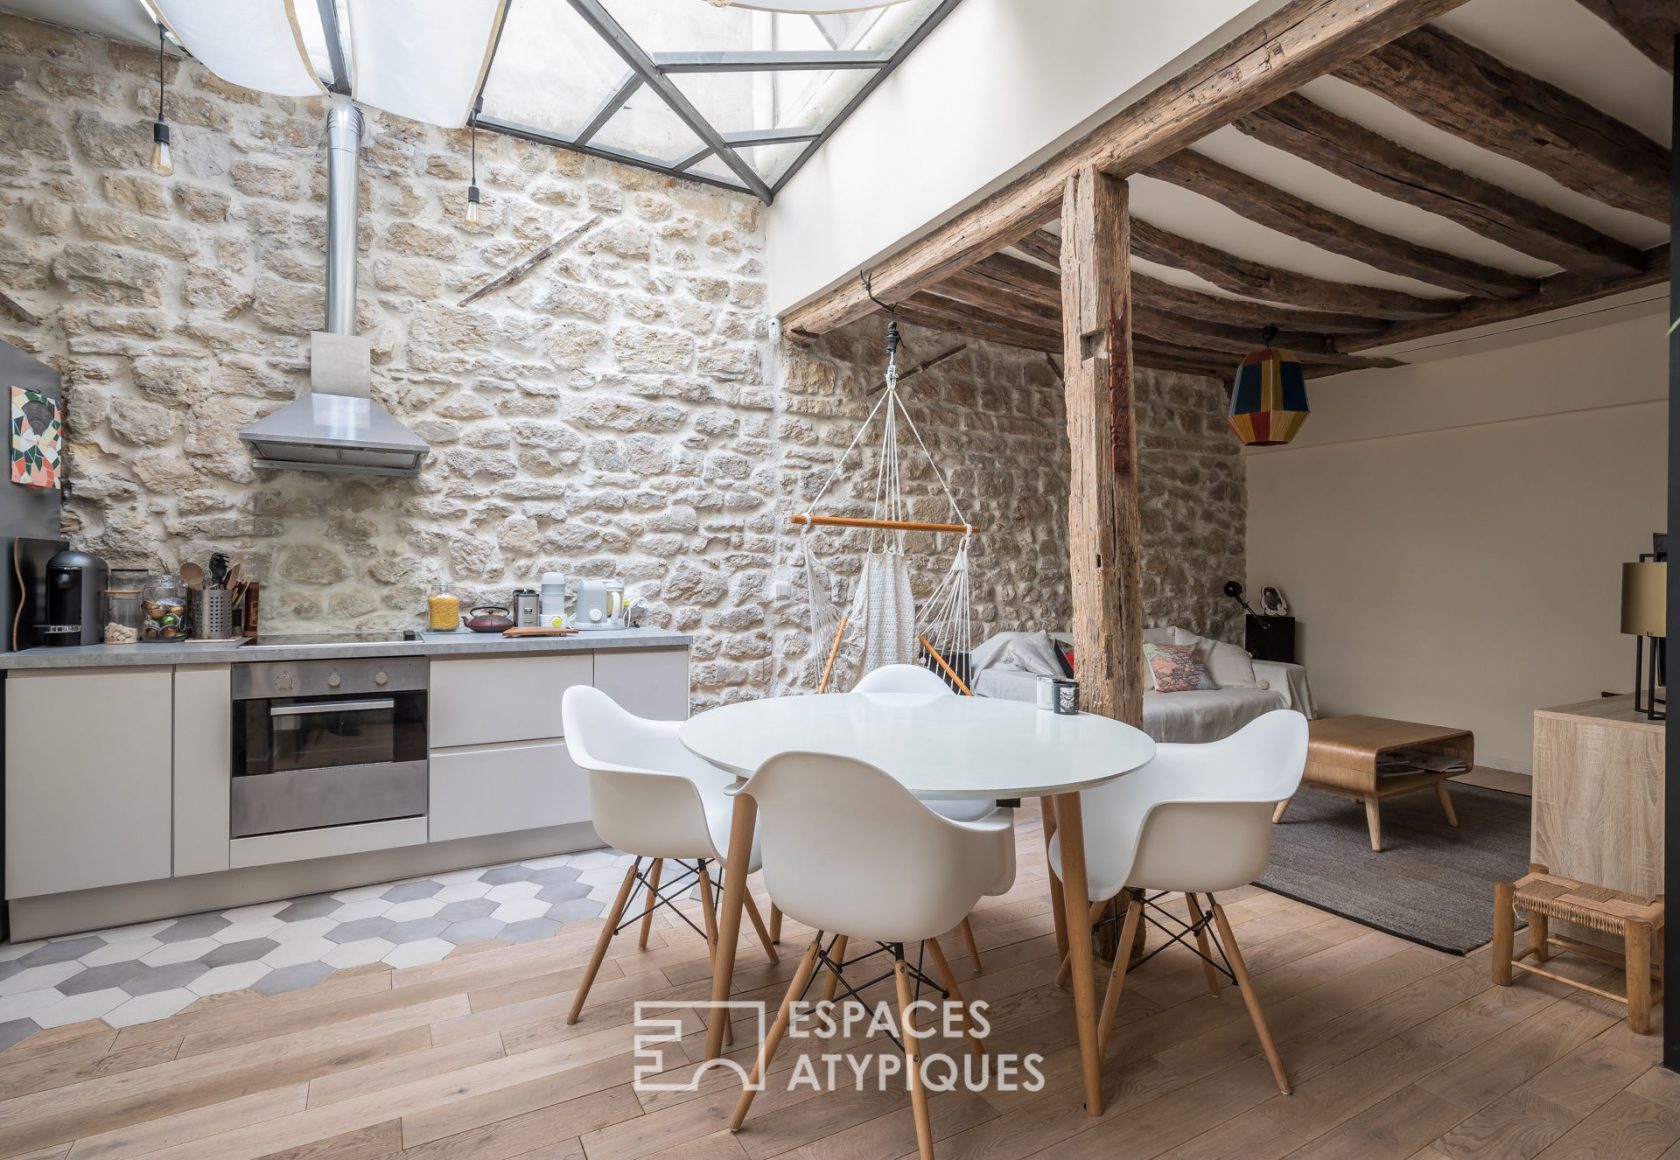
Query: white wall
[1450, 533]
[998, 85]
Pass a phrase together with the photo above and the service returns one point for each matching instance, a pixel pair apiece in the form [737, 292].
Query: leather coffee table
[1343, 754]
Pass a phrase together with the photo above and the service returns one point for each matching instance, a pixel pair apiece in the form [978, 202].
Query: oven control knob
[334, 681]
[284, 680]
[381, 678]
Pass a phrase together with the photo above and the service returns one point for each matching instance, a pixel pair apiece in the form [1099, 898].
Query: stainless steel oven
[327, 743]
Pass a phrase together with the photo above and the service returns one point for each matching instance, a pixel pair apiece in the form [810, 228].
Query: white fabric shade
[256, 45]
[422, 59]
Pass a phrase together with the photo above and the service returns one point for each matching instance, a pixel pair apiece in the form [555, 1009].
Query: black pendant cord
[161, 44]
[473, 137]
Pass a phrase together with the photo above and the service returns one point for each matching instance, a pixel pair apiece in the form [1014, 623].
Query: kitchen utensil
[600, 605]
[192, 575]
[218, 571]
[490, 618]
[232, 580]
[539, 630]
[211, 613]
[554, 599]
[74, 583]
[527, 608]
[443, 612]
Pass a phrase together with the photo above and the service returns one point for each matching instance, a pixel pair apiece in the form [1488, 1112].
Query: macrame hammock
[882, 625]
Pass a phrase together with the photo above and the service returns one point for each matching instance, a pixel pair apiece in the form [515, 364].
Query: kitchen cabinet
[650, 683]
[203, 744]
[478, 700]
[88, 778]
[497, 789]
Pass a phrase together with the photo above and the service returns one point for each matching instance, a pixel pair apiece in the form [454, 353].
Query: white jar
[553, 600]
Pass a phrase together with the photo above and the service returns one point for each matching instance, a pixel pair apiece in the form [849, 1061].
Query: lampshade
[1645, 599]
[1268, 398]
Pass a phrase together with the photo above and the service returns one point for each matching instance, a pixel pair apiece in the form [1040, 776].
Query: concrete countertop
[433, 644]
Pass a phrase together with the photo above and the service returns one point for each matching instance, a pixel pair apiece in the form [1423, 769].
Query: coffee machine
[75, 583]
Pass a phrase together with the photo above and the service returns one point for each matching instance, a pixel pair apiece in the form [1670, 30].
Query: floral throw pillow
[1176, 668]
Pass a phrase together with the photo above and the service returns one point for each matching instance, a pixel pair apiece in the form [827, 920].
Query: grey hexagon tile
[361, 908]
[471, 931]
[315, 906]
[359, 929]
[239, 952]
[248, 928]
[529, 930]
[180, 952]
[35, 978]
[195, 926]
[501, 875]
[415, 929]
[63, 950]
[10, 952]
[576, 908]
[98, 978]
[414, 908]
[552, 875]
[302, 930]
[292, 978]
[125, 951]
[409, 891]
[458, 891]
[562, 891]
[165, 978]
[147, 1008]
[466, 909]
[9, 968]
[16, 1031]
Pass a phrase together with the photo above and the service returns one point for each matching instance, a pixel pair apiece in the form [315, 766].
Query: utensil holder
[212, 614]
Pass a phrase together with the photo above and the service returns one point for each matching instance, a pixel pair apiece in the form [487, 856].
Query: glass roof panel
[646, 127]
[551, 71]
[771, 161]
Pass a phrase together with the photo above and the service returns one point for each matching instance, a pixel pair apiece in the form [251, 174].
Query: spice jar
[123, 616]
[164, 606]
[443, 612]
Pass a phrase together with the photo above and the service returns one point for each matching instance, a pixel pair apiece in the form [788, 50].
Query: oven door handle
[332, 707]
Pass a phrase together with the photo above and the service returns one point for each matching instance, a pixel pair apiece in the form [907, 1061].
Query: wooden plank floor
[1395, 1051]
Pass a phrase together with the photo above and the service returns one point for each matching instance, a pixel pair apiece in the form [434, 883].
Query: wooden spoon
[193, 574]
[232, 580]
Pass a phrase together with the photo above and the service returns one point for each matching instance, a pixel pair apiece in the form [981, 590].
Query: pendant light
[1268, 396]
[472, 190]
[163, 163]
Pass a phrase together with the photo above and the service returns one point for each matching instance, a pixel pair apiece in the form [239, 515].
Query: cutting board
[538, 630]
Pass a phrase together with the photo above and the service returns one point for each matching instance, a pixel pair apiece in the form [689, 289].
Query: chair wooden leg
[773, 1039]
[1250, 999]
[1209, 971]
[973, 947]
[613, 917]
[1446, 803]
[758, 925]
[1066, 968]
[912, 1059]
[1117, 977]
[1373, 820]
[1539, 935]
[708, 911]
[775, 923]
[832, 983]
[948, 980]
[650, 902]
[1282, 808]
[1637, 939]
[1504, 931]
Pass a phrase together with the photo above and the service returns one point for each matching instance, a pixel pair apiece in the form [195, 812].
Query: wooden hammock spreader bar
[949, 671]
[890, 525]
[833, 651]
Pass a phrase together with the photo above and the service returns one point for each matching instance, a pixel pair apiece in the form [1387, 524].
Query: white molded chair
[650, 797]
[1195, 820]
[910, 875]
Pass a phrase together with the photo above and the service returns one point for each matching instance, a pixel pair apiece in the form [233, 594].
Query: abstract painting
[37, 438]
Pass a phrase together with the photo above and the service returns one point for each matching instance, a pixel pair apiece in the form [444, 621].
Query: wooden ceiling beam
[1299, 218]
[1302, 40]
[928, 309]
[1481, 99]
[1238, 341]
[1555, 292]
[1255, 280]
[965, 286]
[1648, 25]
[1022, 278]
[1315, 134]
[1241, 312]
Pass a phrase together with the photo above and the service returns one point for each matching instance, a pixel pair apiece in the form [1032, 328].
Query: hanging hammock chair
[882, 625]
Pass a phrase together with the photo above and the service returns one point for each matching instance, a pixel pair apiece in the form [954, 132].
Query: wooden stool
[1545, 896]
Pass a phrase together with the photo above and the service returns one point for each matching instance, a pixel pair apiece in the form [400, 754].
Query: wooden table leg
[1446, 802]
[1373, 820]
[1077, 908]
[1047, 810]
[729, 920]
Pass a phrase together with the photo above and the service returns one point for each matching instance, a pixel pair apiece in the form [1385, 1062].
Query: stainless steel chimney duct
[344, 155]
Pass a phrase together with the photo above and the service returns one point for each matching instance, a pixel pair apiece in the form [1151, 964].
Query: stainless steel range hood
[336, 425]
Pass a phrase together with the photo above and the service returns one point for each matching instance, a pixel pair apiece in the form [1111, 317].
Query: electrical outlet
[781, 590]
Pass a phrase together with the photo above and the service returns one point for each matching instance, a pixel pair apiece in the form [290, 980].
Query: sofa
[1008, 666]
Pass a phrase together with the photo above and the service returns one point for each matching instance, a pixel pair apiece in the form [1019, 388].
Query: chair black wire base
[829, 964]
[1175, 928]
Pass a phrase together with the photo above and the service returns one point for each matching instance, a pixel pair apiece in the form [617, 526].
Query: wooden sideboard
[1598, 795]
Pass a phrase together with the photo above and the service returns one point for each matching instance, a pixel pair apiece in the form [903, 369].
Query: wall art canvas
[37, 438]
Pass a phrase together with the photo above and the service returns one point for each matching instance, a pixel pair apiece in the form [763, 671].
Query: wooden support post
[1103, 542]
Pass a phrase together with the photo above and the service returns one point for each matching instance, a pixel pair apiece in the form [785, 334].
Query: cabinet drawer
[480, 700]
[647, 682]
[498, 789]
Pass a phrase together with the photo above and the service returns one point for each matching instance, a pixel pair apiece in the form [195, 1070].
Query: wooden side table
[1343, 754]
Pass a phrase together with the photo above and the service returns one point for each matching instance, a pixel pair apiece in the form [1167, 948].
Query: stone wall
[620, 411]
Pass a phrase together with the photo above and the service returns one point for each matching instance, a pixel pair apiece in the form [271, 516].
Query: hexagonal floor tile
[16, 1031]
[471, 931]
[427, 950]
[25, 1003]
[501, 875]
[417, 928]
[466, 909]
[99, 978]
[293, 977]
[259, 926]
[361, 908]
[576, 908]
[511, 891]
[75, 1008]
[61, 951]
[125, 951]
[412, 891]
[315, 906]
[146, 1008]
[362, 893]
[355, 954]
[551, 875]
[529, 930]
[302, 930]
[229, 977]
[610, 876]
[359, 929]
[163, 978]
[193, 926]
[593, 859]
[248, 951]
[180, 952]
[456, 877]
[562, 891]
[11, 952]
[290, 954]
[414, 908]
[520, 909]
[37, 978]
[461, 891]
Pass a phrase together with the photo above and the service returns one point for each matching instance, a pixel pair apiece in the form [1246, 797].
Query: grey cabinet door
[88, 778]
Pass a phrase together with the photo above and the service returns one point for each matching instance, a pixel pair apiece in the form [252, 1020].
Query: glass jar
[164, 607]
[443, 612]
[123, 616]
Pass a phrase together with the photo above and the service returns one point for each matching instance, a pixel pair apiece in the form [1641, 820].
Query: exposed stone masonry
[620, 411]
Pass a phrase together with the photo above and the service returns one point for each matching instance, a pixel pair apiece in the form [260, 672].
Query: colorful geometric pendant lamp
[1268, 397]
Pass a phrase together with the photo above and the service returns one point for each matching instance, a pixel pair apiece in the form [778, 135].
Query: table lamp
[1645, 615]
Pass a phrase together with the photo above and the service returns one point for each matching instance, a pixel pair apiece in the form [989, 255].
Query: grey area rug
[1431, 884]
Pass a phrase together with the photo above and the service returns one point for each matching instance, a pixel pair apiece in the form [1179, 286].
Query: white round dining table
[942, 747]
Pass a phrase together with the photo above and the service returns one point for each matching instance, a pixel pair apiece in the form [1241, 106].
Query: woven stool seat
[1596, 907]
